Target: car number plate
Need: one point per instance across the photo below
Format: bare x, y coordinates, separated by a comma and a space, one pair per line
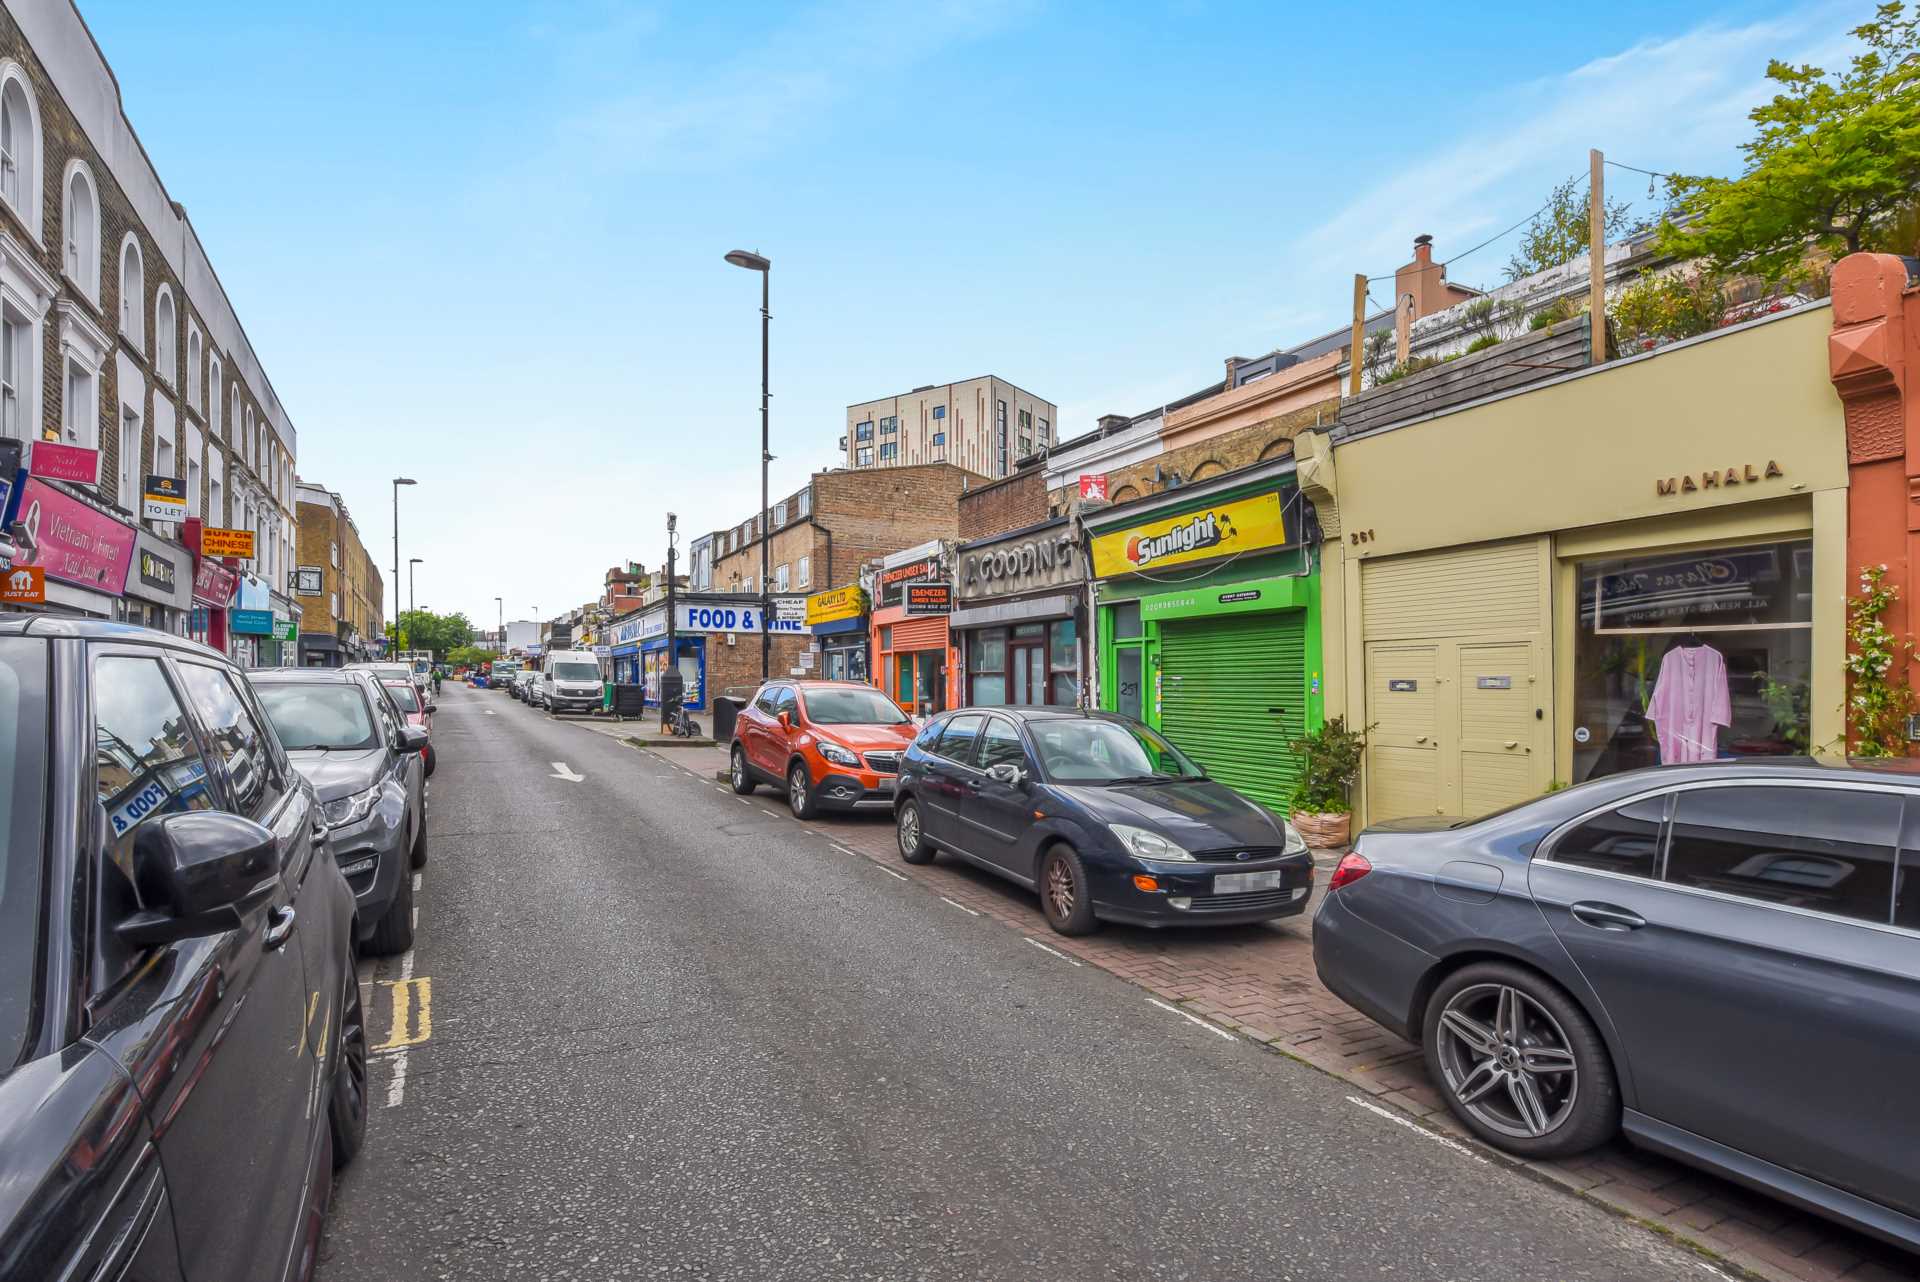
1238, 883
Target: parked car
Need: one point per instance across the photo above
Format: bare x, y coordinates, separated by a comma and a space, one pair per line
832, 744
350, 739
1721, 960
1105, 819
526, 686
569, 681
419, 713
183, 1052
387, 670
503, 670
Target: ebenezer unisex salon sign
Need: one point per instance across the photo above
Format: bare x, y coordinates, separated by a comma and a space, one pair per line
1037, 561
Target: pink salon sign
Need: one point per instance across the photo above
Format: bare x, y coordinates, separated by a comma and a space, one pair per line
76, 543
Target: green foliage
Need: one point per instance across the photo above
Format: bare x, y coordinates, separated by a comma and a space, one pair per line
1660, 309
1881, 699
1378, 353
470, 656
1333, 755
1482, 343
1555, 785
1553, 313
1413, 366
1561, 232
1788, 701
1834, 163
440, 633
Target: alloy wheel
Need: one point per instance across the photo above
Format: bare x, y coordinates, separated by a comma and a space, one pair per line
1060, 890
353, 1051
909, 829
739, 769
1507, 1060
797, 789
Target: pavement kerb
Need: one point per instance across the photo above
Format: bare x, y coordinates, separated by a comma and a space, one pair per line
1731, 1261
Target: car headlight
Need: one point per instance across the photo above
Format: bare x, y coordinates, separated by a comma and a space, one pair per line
1145, 844
1296, 844
350, 810
837, 755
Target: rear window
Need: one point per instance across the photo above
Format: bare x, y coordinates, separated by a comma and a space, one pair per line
23, 791
404, 694
310, 714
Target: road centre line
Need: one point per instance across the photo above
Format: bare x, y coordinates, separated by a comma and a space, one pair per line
1398, 1120
1192, 1018
957, 904
1055, 951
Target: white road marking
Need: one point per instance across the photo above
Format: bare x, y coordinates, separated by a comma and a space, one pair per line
416, 881
1192, 1018
847, 850
957, 904
1399, 1120
489, 711
1055, 951
562, 771
897, 876
397, 1084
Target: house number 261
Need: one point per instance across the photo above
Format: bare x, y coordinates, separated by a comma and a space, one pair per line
1358, 537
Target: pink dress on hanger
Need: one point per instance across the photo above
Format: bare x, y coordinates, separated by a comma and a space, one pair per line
1690, 703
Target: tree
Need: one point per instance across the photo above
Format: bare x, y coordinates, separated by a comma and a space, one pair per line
1835, 164
1561, 232
470, 656
440, 633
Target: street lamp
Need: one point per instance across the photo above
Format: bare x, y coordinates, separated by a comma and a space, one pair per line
757, 263
411, 562
398, 481
501, 638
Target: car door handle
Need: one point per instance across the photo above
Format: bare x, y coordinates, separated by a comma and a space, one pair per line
1606, 917
279, 926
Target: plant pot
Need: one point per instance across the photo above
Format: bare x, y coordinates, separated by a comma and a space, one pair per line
1322, 830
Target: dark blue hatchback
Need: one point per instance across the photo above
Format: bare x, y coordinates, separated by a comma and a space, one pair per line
1101, 816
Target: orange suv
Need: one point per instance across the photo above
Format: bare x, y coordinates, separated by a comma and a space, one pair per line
833, 744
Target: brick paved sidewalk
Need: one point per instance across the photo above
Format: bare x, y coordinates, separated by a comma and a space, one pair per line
1260, 981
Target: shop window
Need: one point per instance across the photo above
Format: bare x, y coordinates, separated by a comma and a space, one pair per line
1123, 621
1063, 663
886, 637
987, 668
1693, 657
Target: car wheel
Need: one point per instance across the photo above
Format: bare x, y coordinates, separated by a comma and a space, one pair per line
417, 857
1065, 900
800, 791
741, 777
347, 1106
1520, 1063
914, 846
393, 933
430, 761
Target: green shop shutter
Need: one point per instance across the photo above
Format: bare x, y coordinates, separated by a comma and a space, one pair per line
1220, 678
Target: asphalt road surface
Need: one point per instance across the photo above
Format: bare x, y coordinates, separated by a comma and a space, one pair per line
650, 1031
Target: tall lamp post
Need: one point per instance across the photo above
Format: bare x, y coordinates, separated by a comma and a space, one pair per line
398, 481
673, 639
500, 638
757, 263
411, 562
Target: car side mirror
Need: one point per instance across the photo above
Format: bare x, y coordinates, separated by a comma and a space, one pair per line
1008, 773
196, 874
431, 707
413, 739
786, 721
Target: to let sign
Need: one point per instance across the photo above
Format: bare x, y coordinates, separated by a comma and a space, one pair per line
163, 499
218, 542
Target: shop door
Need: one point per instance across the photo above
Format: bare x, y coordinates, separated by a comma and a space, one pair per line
1027, 660
1233, 696
1403, 773
1495, 686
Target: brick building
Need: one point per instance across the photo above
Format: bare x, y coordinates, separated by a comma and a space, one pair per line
984, 425
342, 622
116, 333
1006, 504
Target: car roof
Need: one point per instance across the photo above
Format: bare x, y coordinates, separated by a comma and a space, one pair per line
1025, 712
61, 625
332, 676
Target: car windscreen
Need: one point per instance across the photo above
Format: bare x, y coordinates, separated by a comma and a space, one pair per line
23, 795
312, 714
1100, 752
404, 694
852, 708
579, 671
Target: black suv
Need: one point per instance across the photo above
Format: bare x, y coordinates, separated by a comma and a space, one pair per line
177, 988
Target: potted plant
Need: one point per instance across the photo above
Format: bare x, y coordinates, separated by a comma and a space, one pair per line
1322, 806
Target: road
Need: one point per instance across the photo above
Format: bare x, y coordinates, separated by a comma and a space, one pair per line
649, 1030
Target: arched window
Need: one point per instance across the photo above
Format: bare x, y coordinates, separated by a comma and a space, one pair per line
193, 368
246, 438
20, 147
1211, 467
80, 227
233, 419
133, 293
214, 399
163, 354
1277, 449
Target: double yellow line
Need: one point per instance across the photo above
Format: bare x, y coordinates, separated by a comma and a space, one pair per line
412, 1013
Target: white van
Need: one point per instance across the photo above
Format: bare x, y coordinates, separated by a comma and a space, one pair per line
570, 681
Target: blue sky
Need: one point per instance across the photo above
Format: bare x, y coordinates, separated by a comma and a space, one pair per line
480, 243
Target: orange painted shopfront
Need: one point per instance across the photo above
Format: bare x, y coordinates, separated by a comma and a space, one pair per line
913, 660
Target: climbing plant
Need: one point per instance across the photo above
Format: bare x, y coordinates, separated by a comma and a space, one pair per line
1881, 698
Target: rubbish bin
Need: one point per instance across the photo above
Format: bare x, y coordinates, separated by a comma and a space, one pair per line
630, 701
725, 712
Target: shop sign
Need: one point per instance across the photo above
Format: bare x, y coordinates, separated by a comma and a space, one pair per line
730, 618
1224, 529
214, 583
252, 622
309, 580
23, 585
163, 498
893, 581
1049, 560
76, 543
158, 572
1232, 598
55, 462
1716, 478
836, 604
286, 630
929, 598
215, 541
790, 609
1093, 486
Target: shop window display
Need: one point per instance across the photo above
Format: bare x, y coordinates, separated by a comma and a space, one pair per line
1692, 656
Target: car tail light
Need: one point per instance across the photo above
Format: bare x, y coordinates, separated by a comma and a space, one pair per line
1353, 866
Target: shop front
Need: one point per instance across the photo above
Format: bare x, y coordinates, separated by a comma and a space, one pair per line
1663, 578
216, 587
625, 637
838, 620
1209, 625
250, 623
908, 629
690, 655
159, 591
1019, 619
86, 553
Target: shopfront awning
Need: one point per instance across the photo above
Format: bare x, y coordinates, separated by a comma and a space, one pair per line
858, 623
1040, 607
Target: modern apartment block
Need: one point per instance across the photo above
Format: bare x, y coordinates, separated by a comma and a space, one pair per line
985, 425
